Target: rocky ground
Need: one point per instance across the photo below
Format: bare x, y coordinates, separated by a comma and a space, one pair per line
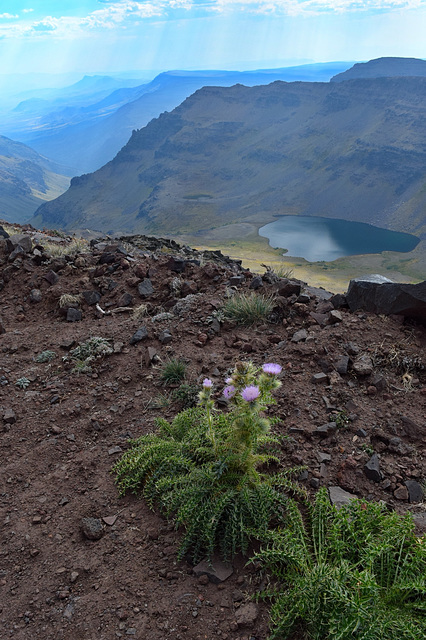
80, 562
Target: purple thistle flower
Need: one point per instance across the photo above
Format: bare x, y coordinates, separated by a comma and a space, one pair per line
207, 383
272, 369
229, 391
250, 393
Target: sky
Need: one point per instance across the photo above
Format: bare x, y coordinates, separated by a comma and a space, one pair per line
92, 36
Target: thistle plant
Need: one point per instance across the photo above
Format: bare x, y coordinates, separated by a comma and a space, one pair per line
204, 468
355, 573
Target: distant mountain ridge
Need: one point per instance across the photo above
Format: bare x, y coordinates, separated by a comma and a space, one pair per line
102, 122
383, 68
26, 180
354, 150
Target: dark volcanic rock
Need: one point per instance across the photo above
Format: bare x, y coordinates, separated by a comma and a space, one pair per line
415, 491
145, 288
92, 528
140, 334
379, 295
372, 469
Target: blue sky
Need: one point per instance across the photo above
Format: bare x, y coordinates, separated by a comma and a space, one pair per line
115, 35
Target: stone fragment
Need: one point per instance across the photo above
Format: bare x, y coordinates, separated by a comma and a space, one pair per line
21, 239
91, 297
139, 335
415, 491
236, 280
74, 315
51, 277
2, 326
246, 615
18, 252
414, 430
401, 493
420, 522
35, 296
217, 571
379, 381
334, 317
92, 528
176, 264
363, 365
319, 377
165, 337
339, 301
372, 469
150, 356
380, 295
107, 258
326, 429
315, 483
320, 318
299, 336
339, 497
112, 451
145, 288
125, 300
3, 232
289, 288
256, 283
341, 365
323, 457
9, 416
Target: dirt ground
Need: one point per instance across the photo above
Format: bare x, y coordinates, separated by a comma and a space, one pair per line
62, 430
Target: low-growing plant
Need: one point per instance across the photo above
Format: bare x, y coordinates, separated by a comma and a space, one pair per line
75, 245
355, 573
87, 352
187, 395
140, 311
248, 309
204, 468
173, 371
23, 382
46, 356
276, 273
69, 300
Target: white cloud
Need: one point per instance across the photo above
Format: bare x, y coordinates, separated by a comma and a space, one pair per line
125, 14
315, 7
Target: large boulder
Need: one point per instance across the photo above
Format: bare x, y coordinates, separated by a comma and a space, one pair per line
380, 295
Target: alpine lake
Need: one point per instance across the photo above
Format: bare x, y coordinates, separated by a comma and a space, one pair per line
325, 239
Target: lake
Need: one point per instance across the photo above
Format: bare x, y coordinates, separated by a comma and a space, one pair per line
325, 239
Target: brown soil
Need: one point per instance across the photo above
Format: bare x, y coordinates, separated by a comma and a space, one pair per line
60, 436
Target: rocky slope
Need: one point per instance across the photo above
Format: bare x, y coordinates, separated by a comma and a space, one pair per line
351, 408
26, 180
351, 150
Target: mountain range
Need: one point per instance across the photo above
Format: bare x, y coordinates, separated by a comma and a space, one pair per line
354, 150
99, 113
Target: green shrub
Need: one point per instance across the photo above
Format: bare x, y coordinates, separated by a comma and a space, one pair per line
203, 468
248, 309
46, 356
173, 371
187, 395
87, 352
23, 382
354, 573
